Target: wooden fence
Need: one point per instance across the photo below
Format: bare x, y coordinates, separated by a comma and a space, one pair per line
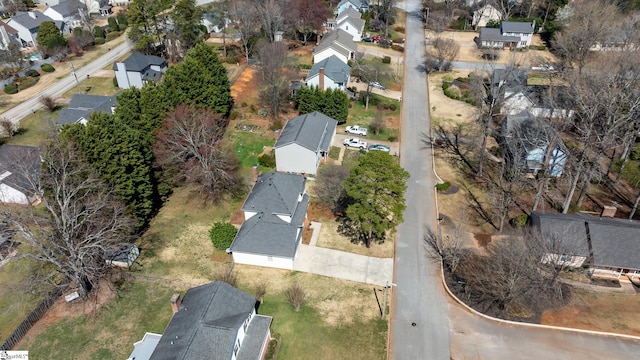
32, 318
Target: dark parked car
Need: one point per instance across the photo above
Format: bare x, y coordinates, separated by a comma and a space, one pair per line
367, 39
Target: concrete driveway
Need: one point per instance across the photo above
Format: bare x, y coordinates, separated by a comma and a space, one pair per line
343, 265
341, 135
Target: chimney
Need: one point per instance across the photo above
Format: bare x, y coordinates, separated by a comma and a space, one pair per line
175, 302
256, 172
321, 75
608, 211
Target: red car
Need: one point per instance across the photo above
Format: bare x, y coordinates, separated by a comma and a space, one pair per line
375, 38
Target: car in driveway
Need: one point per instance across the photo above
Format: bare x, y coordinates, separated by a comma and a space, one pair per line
355, 143
356, 130
376, 84
379, 147
367, 39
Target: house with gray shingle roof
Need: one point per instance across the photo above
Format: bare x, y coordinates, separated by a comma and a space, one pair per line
360, 5
8, 35
304, 142
67, 11
511, 34
274, 215
19, 171
215, 321
606, 246
351, 22
82, 106
330, 73
27, 24
137, 69
336, 43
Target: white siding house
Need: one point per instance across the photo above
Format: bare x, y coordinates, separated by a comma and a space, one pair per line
485, 14
350, 21
509, 35
27, 25
19, 166
304, 142
339, 43
360, 5
330, 73
137, 69
522, 30
68, 12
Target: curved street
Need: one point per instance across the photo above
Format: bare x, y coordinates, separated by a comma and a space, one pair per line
443, 328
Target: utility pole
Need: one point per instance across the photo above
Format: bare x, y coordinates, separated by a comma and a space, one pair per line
73, 71
386, 288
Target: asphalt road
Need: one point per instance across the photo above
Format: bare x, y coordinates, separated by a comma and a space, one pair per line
418, 296
22, 110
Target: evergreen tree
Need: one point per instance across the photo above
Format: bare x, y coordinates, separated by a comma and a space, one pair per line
186, 18
113, 24
49, 38
333, 103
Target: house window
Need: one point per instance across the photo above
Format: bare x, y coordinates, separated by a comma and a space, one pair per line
523, 43
347, 28
236, 348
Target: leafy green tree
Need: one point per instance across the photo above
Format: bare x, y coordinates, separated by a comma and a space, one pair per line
333, 103
50, 39
122, 21
375, 196
209, 89
146, 20
222, 235
122, 156
98, 32
186, 18
113, 24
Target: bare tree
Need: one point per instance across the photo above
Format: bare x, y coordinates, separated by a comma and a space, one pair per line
79, 222
261, 289
443, 53
226, 275
308, 16
295, 296
329, 189
275, 74
271, 17
369, 71
190, 140
377, 125
49, 103
8, 127
246, 20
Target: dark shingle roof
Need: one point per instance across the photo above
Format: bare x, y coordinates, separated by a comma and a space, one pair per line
334, 69
566, 233
337, 37
349, 12
17, 164
492, 34
312, 131
516, 27
23, 18
255, 337
265, 233
615, 243
82, 106
206, 325
68, 7
355, 22
139, 62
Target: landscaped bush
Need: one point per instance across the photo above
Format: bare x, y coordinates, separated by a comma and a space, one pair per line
393, 106
47, 68
28, 82
32, 73
115, 82
386, 60
537, 47
231, 60
398, 40
306, 66
453, 92
397, 47
267, 160
233, 115
98, 32
112, 35
10, 89
222, 234
399, 28
98, 41
520, 220
443, 186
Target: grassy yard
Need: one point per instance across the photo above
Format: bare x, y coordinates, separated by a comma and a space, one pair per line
249, 145
93, 86
358, 115
35, 128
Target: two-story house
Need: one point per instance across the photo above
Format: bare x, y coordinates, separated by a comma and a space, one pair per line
27, 23
359, 5
339, 43
274, 215
137, 69
350, 21
69, 12
510, 35
330, 73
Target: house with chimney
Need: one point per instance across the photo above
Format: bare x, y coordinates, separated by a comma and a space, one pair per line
275, 212
82, 106
138, 69
27, 23
19, 168
511, 34
330, 73
337, 43
214, 321
606, 246
304, 143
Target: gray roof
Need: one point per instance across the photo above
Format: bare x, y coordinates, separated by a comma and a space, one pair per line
255, 337
82, 106
68, 8
144, 348
334, 69
337, 38
265, 233
312, 131
349, 12
355, 22
493, 34
206, 324
615, 243
517, 27
139, 63
23, 18
18, 163
359, 3
565, 233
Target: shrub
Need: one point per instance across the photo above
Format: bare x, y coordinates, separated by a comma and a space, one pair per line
231, 60
267, 160
443, 186
28, 82
386, 60
115, 82
397, 47
32, 73
263, 112
98, 32
277, 125
10, 89
98, 41
113, 24
453, 92
447, 78
227, 276
520, 220
399, 28
233, 115
393, 106
122, 20
295, 296
538, 47
47, 68
392, 138
445, 86
112, 35
222, 234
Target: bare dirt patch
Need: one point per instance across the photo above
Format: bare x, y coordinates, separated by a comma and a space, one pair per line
447, 109
597, 311
244, 89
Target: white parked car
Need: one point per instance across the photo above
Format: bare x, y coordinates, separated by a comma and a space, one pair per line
355, 143
356, 130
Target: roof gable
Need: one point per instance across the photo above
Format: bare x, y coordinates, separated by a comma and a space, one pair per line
312, 131
275, 193
349, 12
68, 8
25, 19
337, 37
517, 27
138, 62
18, 164
206, 324
355, 22
82, 106
334, 69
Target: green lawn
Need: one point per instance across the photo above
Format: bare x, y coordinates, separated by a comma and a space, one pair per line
111, 332
248, 145
93, 86
334, 153
358, 115
35, 128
